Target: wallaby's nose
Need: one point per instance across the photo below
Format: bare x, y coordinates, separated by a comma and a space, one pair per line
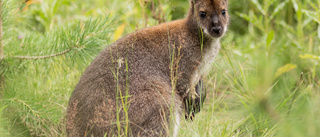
216, 29
215, 23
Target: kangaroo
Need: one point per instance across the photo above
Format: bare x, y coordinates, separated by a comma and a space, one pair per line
140, 84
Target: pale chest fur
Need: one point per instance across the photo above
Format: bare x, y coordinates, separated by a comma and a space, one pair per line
207, 59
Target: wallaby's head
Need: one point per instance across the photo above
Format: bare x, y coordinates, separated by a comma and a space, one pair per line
211, 16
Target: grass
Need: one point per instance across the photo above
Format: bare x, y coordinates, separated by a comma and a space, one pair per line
255, 87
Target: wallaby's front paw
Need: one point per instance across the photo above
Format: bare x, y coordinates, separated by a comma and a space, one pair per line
193, 105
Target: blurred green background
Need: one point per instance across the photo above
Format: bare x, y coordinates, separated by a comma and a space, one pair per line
265, 82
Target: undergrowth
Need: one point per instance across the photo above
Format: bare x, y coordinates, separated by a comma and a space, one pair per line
265, 82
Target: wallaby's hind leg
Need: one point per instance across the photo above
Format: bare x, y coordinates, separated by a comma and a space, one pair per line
150, 113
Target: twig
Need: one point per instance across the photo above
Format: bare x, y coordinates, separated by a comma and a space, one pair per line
1, 31
158, 16
2, 78
42, 57
294, 92
25, 104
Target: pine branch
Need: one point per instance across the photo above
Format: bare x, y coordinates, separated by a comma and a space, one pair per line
87, 38
42, 57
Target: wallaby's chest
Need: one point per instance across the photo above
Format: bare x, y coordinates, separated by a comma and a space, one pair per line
210, 51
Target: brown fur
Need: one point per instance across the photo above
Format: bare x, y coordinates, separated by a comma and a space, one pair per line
140, 63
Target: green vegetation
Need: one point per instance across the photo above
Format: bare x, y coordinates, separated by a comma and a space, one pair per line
256, 86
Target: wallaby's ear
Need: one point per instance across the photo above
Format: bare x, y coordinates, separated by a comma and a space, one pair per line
225, 2
192, 4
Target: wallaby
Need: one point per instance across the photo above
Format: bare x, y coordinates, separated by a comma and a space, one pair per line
139, 85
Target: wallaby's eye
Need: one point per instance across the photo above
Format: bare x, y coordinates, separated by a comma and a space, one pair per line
202, 14
223, 12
